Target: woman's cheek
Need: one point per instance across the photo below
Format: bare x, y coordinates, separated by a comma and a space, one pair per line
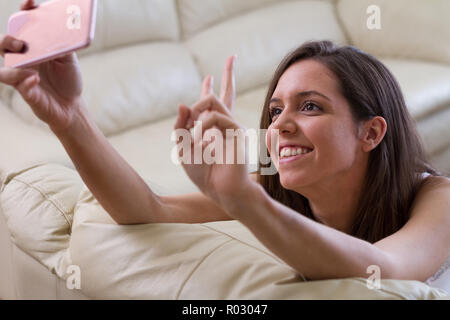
337, 149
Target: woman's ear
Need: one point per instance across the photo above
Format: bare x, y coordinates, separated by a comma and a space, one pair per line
373, 132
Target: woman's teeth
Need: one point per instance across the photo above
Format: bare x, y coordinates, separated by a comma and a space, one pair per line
289, 151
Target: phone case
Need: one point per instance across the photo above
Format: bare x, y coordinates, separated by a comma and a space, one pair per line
53, 29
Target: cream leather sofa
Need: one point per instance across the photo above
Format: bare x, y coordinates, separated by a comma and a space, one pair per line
149, 56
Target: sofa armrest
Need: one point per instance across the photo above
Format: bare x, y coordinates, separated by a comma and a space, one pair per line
54, 218
37, 205
218, 260
6, 268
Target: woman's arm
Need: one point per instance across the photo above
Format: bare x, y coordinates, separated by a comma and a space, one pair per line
422, 245
53, 90
315, 250
415, 252
117, 187
311, 248
120, 190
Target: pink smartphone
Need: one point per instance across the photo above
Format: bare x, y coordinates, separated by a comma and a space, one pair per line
53, 29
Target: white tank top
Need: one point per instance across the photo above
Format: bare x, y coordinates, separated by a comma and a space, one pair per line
441, 279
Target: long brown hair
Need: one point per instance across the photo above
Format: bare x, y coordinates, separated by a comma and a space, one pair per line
394, 166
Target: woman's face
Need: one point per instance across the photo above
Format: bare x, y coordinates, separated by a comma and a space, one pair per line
315, 124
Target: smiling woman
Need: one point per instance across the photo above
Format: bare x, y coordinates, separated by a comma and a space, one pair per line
348, 109
349, 158
351, 190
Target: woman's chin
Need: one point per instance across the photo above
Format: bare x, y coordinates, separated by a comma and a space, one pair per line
293, 182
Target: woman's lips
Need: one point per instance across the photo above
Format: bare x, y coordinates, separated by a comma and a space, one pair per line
288, 159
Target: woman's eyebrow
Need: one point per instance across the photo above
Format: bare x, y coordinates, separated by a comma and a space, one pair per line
303, 94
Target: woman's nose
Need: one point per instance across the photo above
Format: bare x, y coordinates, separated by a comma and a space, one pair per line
285, 124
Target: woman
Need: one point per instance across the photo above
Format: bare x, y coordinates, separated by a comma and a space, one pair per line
350, 190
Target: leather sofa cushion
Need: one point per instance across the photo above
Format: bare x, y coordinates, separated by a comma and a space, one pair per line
122, 23
426, 88
261, 38
196, 15
409, 28
435, 132
425, 85
37, 204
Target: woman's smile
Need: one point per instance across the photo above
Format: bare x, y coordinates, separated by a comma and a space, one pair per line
292, 153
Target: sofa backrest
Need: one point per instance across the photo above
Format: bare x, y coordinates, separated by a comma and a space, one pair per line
261, 37
197, 15
412, 29
121, 23
138, 43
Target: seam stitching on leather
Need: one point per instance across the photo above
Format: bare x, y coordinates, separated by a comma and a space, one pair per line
383, 289
61, 208
247, 244
197, 266
258, 249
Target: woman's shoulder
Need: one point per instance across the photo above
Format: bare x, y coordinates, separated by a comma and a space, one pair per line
433, 192
431, 183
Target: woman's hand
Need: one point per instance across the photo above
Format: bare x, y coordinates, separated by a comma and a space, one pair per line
222, 174
52, 89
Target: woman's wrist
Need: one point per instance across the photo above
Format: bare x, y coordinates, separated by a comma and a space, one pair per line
76, 124
250, 196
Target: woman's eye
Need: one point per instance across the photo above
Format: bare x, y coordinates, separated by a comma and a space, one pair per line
310, 107
275, 112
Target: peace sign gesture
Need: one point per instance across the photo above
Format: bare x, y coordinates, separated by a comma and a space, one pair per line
222, 173
207, 98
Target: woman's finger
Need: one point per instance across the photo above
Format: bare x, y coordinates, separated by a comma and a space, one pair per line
209, 103
183, 116
9, 43
213, 120
207, 87
27, 88
14, 76
27, 5
228, 84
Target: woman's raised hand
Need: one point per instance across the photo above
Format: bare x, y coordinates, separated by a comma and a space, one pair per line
222, 173
52, 89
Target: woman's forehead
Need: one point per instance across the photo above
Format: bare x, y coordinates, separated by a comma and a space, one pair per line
306, 75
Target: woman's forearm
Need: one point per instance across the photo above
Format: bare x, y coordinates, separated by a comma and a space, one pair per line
311, 248
117, 186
